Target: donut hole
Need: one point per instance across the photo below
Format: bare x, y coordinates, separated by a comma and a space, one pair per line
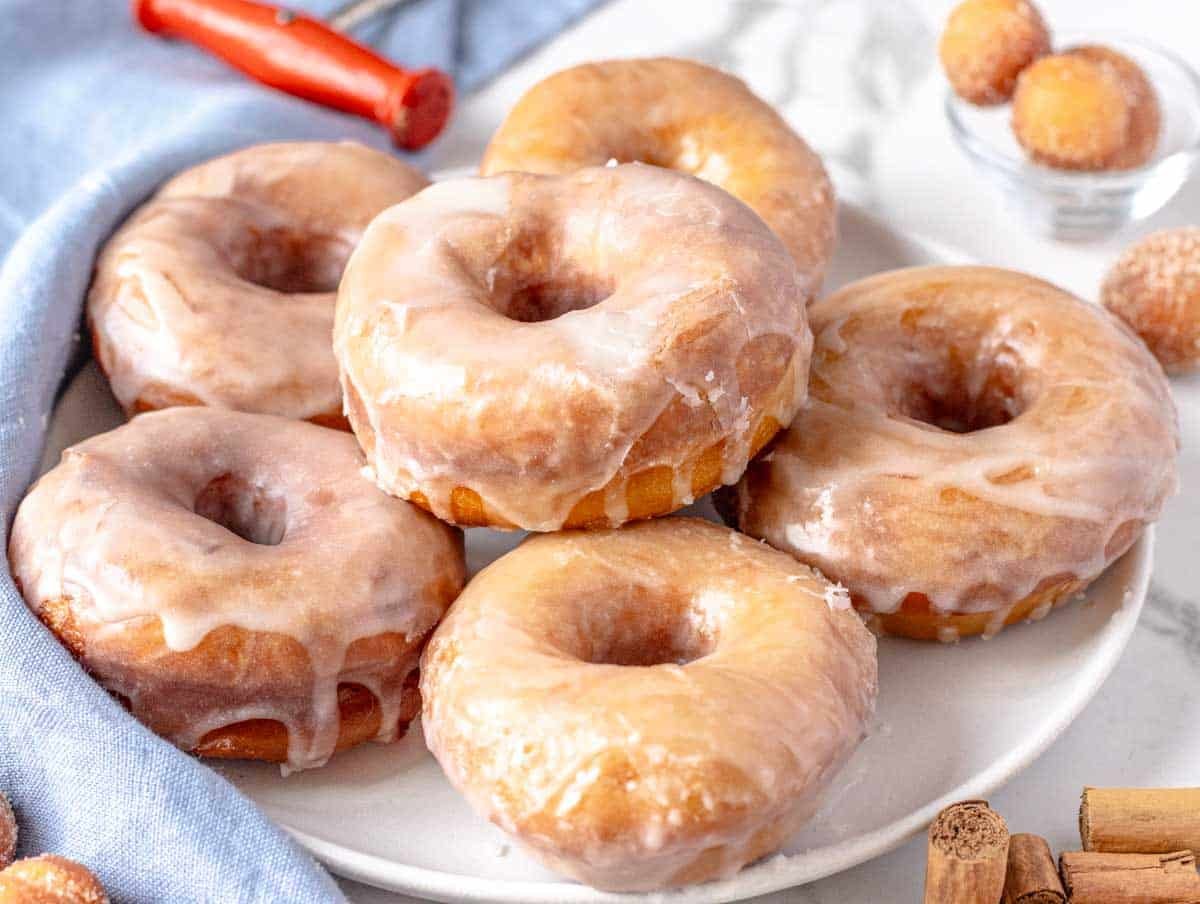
661, 647
292, 262
954, 414
538, 276
959, 402
243, 508
545, 300
648, 626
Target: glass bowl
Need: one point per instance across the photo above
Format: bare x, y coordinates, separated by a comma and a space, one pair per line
1078, 206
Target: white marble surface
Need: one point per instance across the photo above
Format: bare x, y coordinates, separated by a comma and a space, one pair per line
855, 77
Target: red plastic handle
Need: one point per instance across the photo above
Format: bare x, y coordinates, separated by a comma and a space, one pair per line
307, 58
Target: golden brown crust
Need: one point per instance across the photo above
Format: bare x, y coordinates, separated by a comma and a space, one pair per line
233, 649
648, 493
267, 739
986, 44
1154, 286
916, 617
917, 620
50, 879
257, 739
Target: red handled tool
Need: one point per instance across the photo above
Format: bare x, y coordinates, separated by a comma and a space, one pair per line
308, 58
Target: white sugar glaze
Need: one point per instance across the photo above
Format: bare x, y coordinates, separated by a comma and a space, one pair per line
1073, 447
649, 706
685, 116
220, 290
154, 586
535, 338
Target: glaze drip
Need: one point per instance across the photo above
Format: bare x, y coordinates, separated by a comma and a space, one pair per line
1070, 447
674, 322
194, 552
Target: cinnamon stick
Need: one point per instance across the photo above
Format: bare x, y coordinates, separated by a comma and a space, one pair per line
1140, 820
968, 851
1032, 877
1094, 877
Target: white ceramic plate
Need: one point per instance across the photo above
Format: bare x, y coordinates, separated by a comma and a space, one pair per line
953, 722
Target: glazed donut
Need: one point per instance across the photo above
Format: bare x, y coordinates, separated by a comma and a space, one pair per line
978, 446
235, 581
681, 115
220, 290
1154, 286
581, 350
50, 879
647, 707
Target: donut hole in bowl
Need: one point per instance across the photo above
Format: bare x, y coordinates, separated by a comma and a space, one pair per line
243, 508
640, 625
290, 261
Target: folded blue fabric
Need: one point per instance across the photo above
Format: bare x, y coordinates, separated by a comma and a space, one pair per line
93, 115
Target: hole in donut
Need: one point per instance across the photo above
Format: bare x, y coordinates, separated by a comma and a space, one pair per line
545, 300
647, 626
538, 277
243, 508
954, 418
292, 262
951, 400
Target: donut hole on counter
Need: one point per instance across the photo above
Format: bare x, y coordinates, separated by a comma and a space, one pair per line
292, 262
641, 625
242, 508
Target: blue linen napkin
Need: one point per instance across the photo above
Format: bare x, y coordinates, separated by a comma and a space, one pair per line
93, 115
